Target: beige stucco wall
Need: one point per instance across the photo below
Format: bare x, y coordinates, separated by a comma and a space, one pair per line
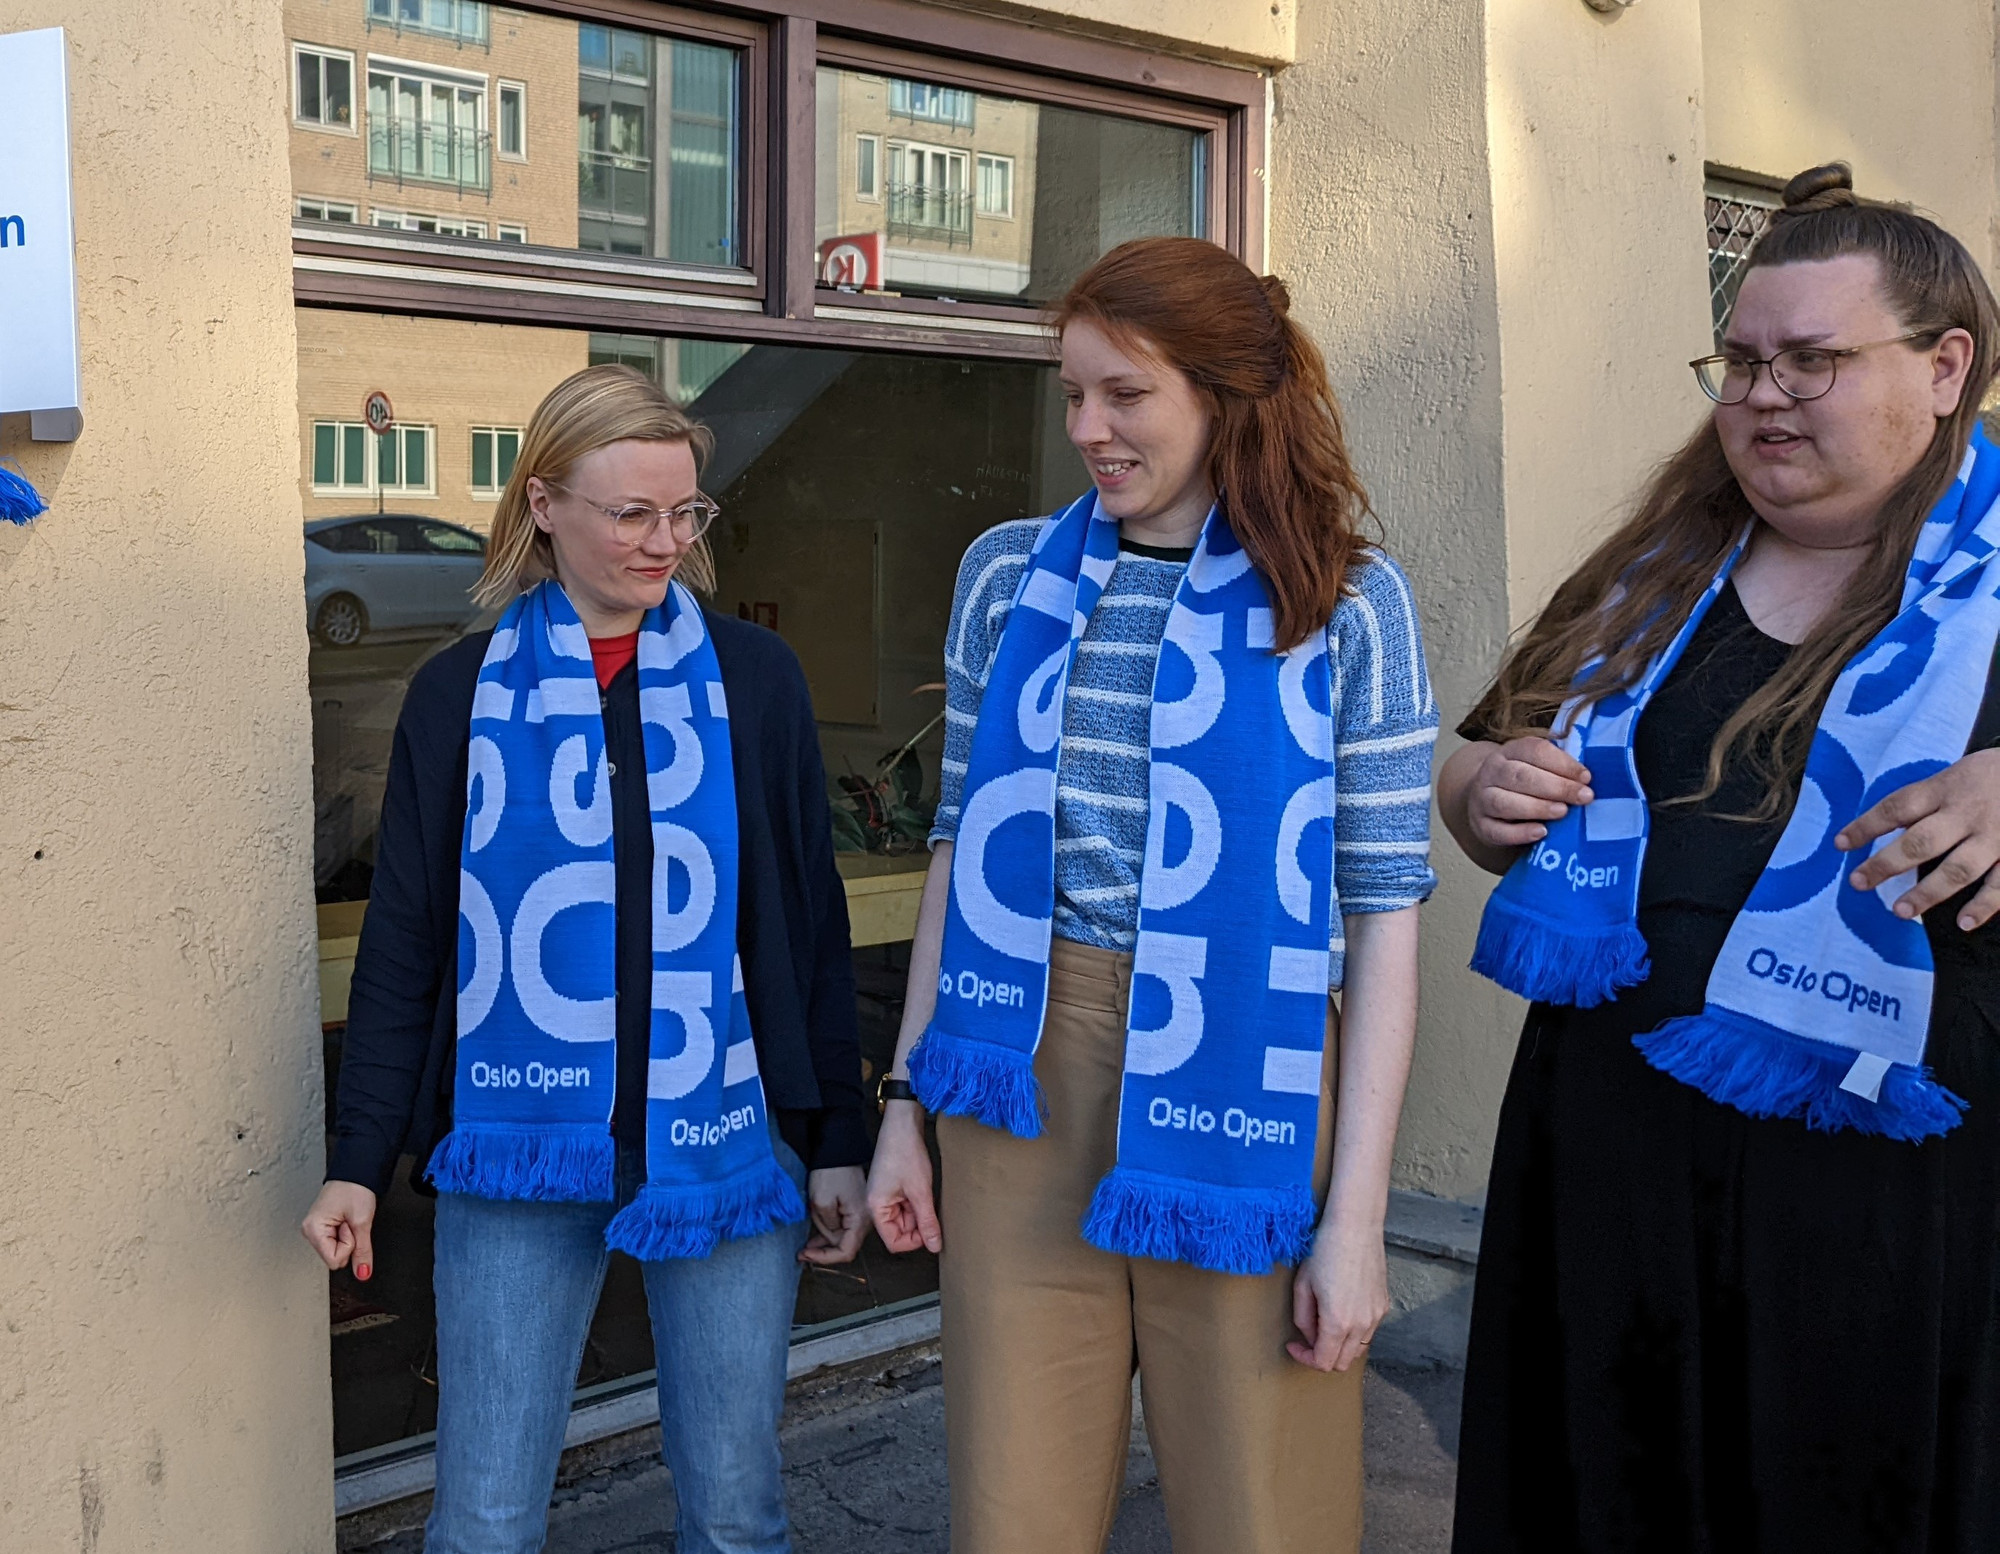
163, 1348
1903, 91
1598, 249
1382, 225
1258, 31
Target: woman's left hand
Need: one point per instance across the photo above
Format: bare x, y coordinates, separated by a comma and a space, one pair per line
837, 1201
1954, 816
1339, 1297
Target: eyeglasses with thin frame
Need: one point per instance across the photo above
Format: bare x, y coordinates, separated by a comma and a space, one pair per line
634, 523
1801, 372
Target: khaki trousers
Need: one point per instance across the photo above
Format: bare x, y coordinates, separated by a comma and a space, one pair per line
1042, 1332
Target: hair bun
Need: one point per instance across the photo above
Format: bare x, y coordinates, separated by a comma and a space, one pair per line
1825, 187
1276, 294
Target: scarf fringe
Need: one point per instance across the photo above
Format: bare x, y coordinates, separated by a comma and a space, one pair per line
1557, 963
540, 1165
1223, 1229
19, 501
958, 1077
1767, 1072
688, 1221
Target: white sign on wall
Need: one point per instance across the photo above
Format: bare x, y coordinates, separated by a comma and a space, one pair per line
39, 367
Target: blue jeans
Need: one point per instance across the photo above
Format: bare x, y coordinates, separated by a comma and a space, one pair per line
517, 1284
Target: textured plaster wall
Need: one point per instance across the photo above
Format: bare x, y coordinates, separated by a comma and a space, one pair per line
1903, 91
163, 1349
1595, 125
1263, 31
1382, 225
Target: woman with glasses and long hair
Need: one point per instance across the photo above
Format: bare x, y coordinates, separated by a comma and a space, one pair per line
1741, 1262
1186, 798
603, 992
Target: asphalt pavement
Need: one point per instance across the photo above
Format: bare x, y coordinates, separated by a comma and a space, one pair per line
864, 1464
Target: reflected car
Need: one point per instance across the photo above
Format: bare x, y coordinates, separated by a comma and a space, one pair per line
389, 572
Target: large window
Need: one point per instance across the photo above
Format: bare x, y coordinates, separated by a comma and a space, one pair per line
834, 249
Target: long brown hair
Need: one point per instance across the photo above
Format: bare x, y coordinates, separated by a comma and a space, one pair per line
1276, 452
1633, 592
588, 410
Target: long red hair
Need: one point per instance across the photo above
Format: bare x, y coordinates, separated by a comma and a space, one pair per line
1276, 452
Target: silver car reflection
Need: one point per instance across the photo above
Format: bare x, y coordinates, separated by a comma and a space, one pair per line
389, 572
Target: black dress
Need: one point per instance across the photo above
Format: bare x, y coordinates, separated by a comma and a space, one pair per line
1697, 1332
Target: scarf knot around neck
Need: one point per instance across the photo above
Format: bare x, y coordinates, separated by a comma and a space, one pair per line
1219, 1112
1819, 1005
536, 1067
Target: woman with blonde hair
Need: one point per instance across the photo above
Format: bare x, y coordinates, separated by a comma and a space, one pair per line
603, 993
1741, 1260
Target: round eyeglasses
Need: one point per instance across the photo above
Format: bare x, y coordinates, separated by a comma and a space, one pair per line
634, 523
1802, 372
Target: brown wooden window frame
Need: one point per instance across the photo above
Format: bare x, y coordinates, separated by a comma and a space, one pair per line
776, 296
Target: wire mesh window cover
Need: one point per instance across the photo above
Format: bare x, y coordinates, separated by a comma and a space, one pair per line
1737, 216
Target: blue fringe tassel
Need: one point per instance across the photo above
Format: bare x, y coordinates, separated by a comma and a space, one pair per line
957, 1077
1766, 1072
664, 1222
19, 501
1223, 1229
540, 1165
1557, 962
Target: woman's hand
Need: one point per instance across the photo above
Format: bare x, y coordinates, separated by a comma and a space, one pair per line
1497, 799
338, 1227
837, 1199
1339, 1297
1954, 816
899, 1182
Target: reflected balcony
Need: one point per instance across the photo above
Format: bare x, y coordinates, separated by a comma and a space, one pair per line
926, 212
405, 150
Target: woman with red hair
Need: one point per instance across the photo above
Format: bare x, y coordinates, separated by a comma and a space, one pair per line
1186, 798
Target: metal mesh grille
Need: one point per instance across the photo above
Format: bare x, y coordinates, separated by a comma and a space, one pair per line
1737, 216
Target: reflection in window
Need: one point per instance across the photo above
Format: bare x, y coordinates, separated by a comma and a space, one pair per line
850, 485
656, 146
463, 21
324, 88
995, 197
427, 128
494, 449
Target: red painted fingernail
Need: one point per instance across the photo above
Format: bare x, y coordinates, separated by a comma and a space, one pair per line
363, 1270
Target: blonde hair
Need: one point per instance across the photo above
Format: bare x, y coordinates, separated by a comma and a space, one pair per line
588, 410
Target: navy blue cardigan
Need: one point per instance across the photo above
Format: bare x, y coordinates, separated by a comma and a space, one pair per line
397, 1060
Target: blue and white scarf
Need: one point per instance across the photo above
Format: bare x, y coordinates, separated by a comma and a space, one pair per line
1217, 1124
1819, 1004
537, 996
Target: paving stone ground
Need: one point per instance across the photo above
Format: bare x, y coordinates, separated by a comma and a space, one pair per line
865, 1471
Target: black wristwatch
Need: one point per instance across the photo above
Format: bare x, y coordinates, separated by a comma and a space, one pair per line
893, 1089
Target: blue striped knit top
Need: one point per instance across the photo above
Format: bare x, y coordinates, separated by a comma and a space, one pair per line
1386, 723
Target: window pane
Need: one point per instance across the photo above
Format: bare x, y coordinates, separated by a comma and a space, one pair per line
324, 467
482, 461
659, 171
416, 457
354, 456
855, 572
309, 100
339, 92
1076, 184
387, 465
509, 445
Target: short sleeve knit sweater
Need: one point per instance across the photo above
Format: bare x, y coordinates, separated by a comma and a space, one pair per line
1385, 714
